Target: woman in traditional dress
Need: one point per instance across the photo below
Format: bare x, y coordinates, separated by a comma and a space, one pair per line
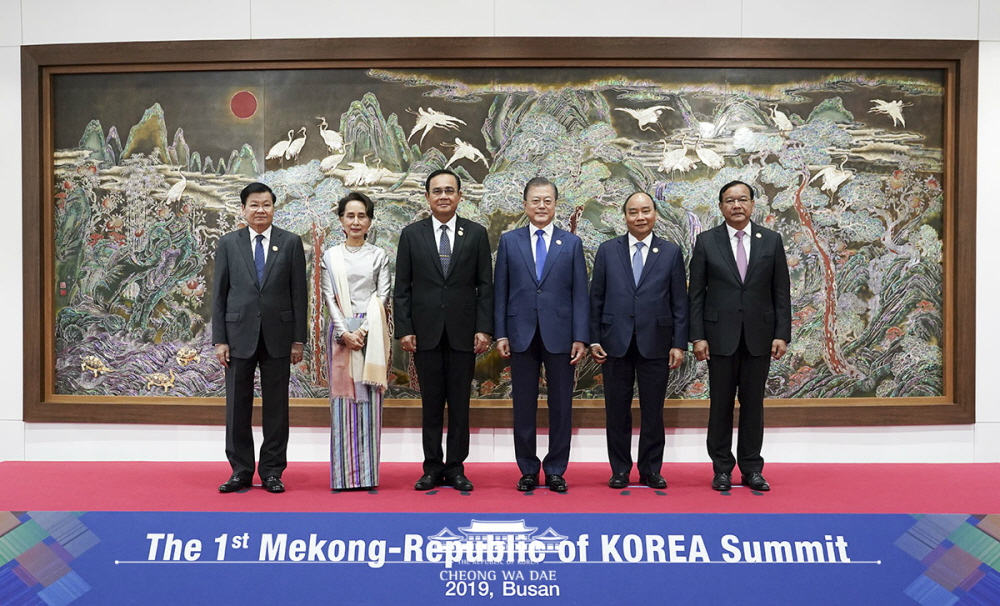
355, 285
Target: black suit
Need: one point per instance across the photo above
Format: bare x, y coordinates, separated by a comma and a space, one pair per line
739, 319
637, 326
259, 322
444, 313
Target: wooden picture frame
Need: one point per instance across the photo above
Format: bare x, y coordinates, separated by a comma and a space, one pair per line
956, 60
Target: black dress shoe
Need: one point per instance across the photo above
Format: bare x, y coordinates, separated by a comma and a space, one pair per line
653, 480
528, 482
235, 484
756, 481
618, 480
555, 482
722, 482
273, 484
426, 482
459, 482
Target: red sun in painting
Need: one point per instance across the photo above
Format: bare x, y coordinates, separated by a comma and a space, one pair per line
243, 104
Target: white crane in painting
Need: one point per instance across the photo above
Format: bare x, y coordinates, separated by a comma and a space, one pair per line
676, 159
780, 118
176, 191
709, 157
646, 116
361, 174
331, 138
833, 177
295, 147
374, 174
893, 109
331, 162
356, 174
465, 151
428, 119
277, 151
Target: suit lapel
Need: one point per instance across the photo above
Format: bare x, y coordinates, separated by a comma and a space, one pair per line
626, 258
726, 250
246, 253
555, 247
458, 241
651, 258
426, 229
522, 238
276, 244
755, 249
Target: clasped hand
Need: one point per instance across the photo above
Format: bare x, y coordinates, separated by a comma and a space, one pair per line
353, 340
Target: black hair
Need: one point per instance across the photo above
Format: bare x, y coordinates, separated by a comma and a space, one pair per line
356, 196
256, 188
734, 184
441, 171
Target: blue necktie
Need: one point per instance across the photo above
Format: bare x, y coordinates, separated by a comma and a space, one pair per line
444, 250
539, 254
637, 262
258, 259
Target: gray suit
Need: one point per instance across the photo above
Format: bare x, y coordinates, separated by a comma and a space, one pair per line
259, 322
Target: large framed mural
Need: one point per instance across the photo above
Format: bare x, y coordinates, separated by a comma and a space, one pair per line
862, 154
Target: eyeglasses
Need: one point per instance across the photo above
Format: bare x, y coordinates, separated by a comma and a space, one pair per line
542, 202
448, 191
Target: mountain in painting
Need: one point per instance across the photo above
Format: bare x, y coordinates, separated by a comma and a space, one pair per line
149, 136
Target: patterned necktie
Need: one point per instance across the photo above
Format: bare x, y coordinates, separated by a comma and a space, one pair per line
258, 258
637, 262
539, 254
741, 255
444, 250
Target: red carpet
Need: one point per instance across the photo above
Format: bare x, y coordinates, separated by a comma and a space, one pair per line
797, 488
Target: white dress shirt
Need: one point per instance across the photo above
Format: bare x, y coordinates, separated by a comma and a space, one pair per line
746, 239
451, 231
546, 237
266, 243
646, 243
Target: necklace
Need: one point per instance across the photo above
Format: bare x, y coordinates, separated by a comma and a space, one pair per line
353, 249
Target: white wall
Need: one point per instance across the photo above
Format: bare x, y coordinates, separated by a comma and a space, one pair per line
71, 21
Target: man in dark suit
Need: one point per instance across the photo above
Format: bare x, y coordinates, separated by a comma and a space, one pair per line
258, 320
639, 320
443, 310
740, 315
541, 317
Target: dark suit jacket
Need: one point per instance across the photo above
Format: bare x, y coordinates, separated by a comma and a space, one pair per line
242, 308
655, 311
425, 302
723, 307
557, 305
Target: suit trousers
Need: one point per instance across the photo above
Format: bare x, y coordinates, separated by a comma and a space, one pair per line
274, 376
620, 376
445, 376
743, 375
560, 375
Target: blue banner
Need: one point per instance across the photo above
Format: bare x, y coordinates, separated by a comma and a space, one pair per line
152, 558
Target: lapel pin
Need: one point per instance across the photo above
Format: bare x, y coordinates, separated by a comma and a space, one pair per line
559, 242
758, 234
656, 250
274, 248
461, 232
